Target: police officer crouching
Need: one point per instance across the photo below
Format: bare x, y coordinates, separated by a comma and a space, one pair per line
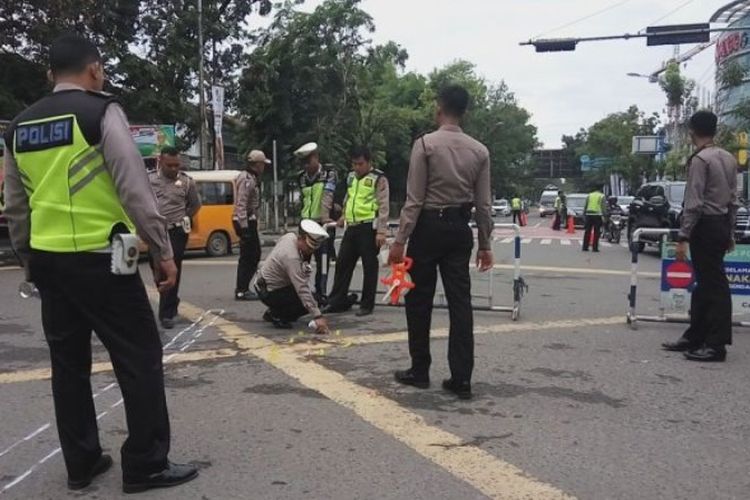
449, 173
74, 181
284, 279
178, 202
366, 217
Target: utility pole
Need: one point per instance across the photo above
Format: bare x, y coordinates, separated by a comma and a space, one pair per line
201, 89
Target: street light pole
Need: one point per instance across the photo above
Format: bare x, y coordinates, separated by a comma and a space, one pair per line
201, 89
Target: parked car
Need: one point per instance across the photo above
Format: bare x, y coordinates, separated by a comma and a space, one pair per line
624, 203
576, 203
212, 229
547, 203
501, 207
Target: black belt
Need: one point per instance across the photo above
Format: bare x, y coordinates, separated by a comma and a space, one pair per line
175, 225
447, 213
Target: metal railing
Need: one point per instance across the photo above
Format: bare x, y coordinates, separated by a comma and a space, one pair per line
632, 316
519, 286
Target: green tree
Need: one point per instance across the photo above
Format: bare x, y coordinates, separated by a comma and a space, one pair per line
612, 138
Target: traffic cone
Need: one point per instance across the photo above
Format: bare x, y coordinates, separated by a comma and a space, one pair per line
571, 225
592, 237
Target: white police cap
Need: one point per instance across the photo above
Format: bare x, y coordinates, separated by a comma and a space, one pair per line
306, 150
314, 233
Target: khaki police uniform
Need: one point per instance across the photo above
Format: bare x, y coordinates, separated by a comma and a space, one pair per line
245, 222
707, 223
284, 282
449, 172
366, 214
178, 199
596, 209
73, 178
317, 202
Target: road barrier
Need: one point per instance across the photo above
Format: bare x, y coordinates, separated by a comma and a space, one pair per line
632, 316
519, 287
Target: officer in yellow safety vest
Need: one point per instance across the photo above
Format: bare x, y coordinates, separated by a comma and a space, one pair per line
516, 206
75, 187
366, 217
596, 209
317, 184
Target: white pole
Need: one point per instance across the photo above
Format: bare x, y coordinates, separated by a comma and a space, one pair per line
202, 97
275, 190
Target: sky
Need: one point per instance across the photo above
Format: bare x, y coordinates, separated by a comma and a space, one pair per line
563, 91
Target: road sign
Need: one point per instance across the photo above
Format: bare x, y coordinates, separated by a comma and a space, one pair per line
679, 274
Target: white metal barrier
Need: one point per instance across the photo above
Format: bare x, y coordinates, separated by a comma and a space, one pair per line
519, 287
632, 316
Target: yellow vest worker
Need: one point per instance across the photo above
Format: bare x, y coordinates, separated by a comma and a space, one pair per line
594, 216
75, 183
516, 205
317, 185
366, 217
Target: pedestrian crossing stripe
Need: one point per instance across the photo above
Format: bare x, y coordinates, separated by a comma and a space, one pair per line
546, 242
563, 242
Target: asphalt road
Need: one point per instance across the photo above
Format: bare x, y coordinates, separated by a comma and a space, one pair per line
569, 401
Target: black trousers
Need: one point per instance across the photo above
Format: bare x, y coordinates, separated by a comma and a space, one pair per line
358, 242
169, 302
516, 216
445, 244
711, 300
321, 277
592, 223
80, 294
285, 304
249, 254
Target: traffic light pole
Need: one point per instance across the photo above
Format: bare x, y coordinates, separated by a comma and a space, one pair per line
660, 35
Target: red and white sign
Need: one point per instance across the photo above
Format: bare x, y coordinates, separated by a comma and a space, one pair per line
679, 274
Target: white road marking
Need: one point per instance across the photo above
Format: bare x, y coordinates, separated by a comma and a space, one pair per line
565, 242
101, 415
546, 242
526, 241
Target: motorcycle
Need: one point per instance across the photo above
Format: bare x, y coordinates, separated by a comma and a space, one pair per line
614, 228
652, 213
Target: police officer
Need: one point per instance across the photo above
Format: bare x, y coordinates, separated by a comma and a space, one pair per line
245, 221
561, 211
449, 173
366, 217
707, 228
178, 202
284, 281
516, 205
317, 184
596, 209
74, 179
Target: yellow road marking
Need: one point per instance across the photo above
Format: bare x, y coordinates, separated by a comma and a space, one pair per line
105, 366
485, 472
309, 341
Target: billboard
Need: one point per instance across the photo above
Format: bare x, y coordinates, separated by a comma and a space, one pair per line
151, 138
678, 281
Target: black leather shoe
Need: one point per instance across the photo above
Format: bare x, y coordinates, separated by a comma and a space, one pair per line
407, 377
707, 354
682, 345
335, 308
460, 389
173, 475
246, 295
363, 312
167, 323
100, 467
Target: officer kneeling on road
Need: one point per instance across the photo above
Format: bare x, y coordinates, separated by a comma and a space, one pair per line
284, 280
76, 189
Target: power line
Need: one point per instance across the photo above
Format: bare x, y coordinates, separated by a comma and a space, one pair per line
584, 18
673, 11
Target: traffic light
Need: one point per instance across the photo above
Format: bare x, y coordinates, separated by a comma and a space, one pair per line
555, 45
678, 34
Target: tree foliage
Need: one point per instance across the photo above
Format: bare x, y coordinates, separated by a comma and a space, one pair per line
318, 77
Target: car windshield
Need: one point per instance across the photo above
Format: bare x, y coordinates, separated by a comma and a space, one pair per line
576, 201
547, 199
624, 200
677, 193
